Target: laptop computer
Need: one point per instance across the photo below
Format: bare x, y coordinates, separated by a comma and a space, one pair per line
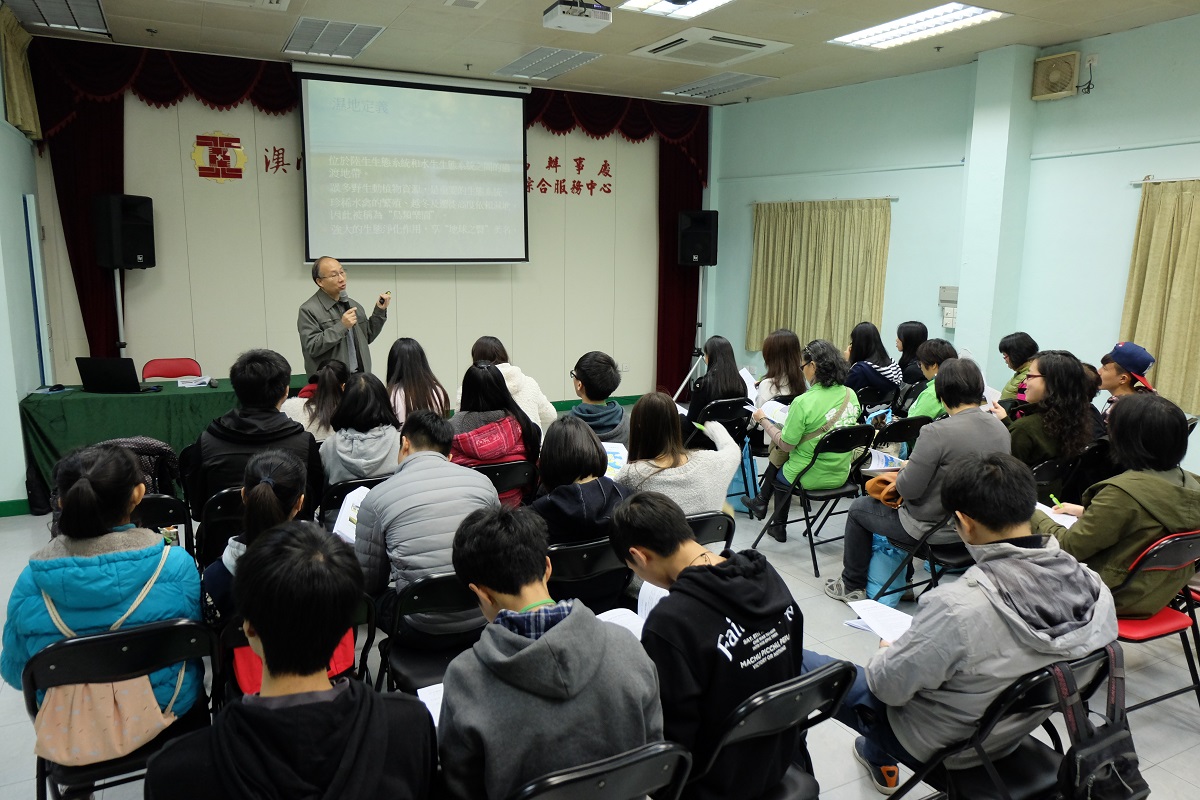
111, 376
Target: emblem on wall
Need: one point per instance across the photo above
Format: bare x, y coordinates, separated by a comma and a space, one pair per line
219, 157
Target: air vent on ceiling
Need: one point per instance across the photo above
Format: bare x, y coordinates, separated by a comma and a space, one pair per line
61, 15
718, 84
545, 63
323, 37
262, 5
709, 48
1055, 76
470, 5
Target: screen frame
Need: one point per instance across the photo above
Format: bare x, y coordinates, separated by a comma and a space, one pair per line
410, 84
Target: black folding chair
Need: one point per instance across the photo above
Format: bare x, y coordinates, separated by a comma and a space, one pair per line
942, 558
106, 658
590, 572
838, 440
660, 769
1031, 770
733, 414
513, 475
409, 670
870, 397
1051, 476
712, 527
799, 703
335, 495
158, 511
220, 522
906, 396
1093, 465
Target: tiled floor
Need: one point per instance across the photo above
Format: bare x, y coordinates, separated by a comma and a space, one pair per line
1167, 735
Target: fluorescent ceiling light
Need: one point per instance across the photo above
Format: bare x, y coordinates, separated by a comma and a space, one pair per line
922, 25
544, 63
71, 15
717, 84
662, 8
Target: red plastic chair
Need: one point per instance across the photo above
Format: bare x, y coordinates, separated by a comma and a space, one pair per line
1171, 553
171, 368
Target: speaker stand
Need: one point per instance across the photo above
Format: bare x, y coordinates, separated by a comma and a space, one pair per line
697, 352
121, 344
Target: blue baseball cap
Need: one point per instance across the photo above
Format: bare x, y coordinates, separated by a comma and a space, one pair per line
1134, 359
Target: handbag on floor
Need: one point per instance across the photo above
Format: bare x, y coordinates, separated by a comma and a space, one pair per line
87, 723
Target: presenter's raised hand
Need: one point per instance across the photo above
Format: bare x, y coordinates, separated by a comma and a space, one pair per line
350, 318
384, 301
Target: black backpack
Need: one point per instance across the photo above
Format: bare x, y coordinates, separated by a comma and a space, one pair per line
1101, 763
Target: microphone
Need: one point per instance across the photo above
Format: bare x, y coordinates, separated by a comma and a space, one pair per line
344, 299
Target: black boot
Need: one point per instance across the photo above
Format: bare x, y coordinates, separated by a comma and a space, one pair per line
757, 506
783, 504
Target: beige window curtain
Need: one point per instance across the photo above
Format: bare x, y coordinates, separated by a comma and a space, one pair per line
19, 105
818, 268
1163, 292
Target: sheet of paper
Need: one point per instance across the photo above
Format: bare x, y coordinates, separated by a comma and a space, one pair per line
1066, 520
431, 696
881, 462
682, 410
991, 395
192, 383
888, 624
625, 618
347, 516
648, 597
617, 455
776, 412
751, 390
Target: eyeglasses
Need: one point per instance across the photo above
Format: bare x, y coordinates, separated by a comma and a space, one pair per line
338, 274
806, 363
573, 376
1033, 375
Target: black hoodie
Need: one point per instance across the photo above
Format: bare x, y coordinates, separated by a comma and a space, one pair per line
722, 634
358, 745
218, 459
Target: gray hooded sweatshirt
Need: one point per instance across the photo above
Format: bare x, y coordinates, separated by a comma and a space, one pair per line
350, 454
515, 708
1017, 610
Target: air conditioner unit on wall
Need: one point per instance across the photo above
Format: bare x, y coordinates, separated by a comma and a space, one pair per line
1055, 76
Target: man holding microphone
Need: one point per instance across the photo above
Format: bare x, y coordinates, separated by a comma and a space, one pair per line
331, 325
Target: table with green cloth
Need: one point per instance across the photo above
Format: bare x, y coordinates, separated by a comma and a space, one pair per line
53, 425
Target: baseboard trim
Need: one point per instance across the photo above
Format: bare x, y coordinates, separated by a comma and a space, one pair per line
14, 508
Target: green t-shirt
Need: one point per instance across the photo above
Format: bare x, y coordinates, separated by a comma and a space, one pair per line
809, 412
927, 404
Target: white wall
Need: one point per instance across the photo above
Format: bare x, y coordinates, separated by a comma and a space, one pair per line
231, 273
18, 354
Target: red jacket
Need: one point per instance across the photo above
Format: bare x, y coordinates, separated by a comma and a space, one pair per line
494, 443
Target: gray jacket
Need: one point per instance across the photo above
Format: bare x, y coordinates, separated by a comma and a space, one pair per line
1017, 610
405, 528
349, 454
323, 336
509, 703
968, 432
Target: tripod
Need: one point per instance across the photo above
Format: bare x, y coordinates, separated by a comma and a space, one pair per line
697, 353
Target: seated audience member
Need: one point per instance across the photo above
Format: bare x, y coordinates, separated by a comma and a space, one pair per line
740, 602
1017, 350
1122, 516
596, 377
782, 355
412, 386
548, 686
1024, 605
1091, 388
1057, 422
720, 381
580, 498
1123, 373
524, 389
405, 528
366, 434
870, 365
969, 430
92, 575
491, 428
827, 404
909, 336
697, 480
314, 409
272, 493
930, 356
218, 459
302, 736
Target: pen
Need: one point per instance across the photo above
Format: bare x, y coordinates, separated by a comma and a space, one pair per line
1057, 502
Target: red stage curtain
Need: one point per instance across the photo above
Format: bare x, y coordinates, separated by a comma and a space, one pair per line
682, 175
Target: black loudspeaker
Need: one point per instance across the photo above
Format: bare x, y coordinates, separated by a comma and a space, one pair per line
698, 238
124, 231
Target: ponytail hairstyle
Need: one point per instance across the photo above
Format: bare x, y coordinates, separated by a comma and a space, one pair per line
484, 389
273, 482
408, 371
95, 487
331, 376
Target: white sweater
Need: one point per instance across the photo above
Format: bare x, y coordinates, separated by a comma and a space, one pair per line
699, 485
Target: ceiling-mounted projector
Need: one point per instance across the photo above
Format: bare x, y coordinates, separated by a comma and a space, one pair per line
577, 16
